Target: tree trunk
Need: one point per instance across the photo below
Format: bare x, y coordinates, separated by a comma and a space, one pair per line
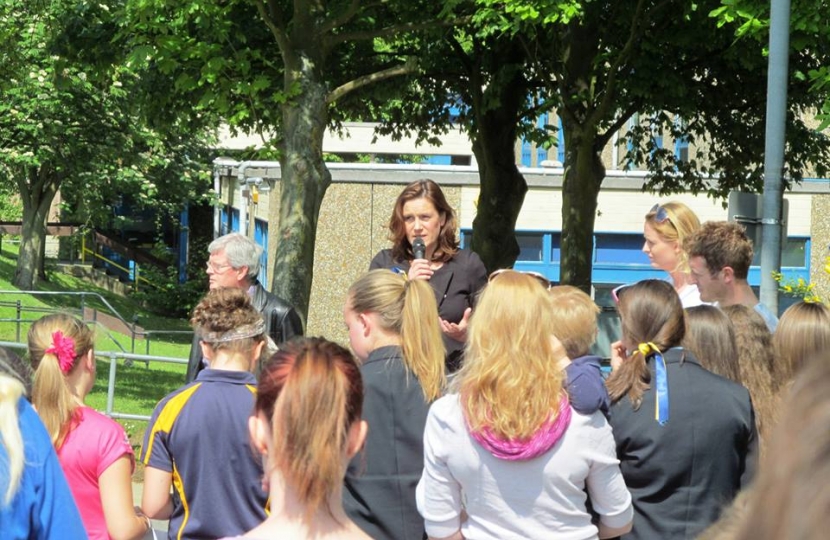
503, 188
502, 193
584, 173
305, 179
37, 191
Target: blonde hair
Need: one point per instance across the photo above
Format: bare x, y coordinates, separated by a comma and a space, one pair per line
650, 312
10, 437
224, 310
54, 400
407, 308
681, 223
509, 382
756, 358
312, 392
804, 329
710, 337
574, 319
790, 496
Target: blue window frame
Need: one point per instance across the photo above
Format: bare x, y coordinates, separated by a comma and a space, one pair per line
560, 146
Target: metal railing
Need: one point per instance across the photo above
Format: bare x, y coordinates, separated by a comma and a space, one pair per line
113, 357
85, 298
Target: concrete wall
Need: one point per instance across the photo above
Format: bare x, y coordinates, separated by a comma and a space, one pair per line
821, 242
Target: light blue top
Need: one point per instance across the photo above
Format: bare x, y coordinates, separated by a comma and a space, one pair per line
768, 316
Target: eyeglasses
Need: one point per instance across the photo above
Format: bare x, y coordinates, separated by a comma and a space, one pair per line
661, 215
539, 277
217, 268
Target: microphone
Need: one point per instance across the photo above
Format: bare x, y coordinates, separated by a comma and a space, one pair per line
419, 249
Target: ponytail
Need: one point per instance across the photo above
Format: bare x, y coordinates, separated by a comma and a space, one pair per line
407, 308
421, 343
55, 344
12, 470
314, 390
650, 313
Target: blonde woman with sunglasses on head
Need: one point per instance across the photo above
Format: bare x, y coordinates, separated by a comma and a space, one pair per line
665, 228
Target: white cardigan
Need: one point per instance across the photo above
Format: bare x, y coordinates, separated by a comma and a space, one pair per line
542, 498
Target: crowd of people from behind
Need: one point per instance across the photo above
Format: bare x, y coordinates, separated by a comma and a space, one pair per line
469, 406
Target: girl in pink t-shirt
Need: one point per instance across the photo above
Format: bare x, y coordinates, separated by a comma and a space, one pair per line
93, 449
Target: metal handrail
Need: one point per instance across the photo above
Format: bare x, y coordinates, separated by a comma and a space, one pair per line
113, 357
136, 279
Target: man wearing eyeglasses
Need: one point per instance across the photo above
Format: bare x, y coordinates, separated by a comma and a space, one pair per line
720, 254
234, 262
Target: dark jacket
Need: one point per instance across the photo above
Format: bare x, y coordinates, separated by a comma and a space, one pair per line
281, 323
379, 493
455, 284
681, 475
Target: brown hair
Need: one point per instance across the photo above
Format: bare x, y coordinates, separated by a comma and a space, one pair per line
447, 243
710, 337
223, 310
574, 319
407, 308
721, 244
312, 392
51, 395
756, 358
650, 312
803, 330
790, 498
680, 222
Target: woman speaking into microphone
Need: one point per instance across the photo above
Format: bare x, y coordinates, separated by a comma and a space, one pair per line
422, 230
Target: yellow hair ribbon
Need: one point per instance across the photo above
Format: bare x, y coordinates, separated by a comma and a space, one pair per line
647, 348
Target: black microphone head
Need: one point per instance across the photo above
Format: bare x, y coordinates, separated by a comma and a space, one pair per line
419, 248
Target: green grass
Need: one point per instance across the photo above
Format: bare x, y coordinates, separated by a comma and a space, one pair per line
138, 386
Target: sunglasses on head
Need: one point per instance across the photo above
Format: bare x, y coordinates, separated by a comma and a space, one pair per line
661, 215
536, 275
617, 291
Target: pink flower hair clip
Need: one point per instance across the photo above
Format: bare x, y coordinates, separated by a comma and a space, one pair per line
63, 348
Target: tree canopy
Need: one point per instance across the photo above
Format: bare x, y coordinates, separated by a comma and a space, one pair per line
70, 121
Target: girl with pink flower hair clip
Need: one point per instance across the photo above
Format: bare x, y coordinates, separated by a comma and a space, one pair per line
93, 449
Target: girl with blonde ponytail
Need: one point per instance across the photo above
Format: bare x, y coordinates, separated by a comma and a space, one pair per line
394, 330
307, 425
93, 449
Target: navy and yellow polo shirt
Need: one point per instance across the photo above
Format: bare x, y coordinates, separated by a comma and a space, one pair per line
199, 433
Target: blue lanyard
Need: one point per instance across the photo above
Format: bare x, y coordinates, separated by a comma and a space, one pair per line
661, 394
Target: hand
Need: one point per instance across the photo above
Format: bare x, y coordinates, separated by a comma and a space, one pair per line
420, 270
618, 354
457, 331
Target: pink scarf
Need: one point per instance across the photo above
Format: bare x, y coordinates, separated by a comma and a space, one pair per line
523, 449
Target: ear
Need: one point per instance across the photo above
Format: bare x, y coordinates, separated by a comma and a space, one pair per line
357, 436
89, 360
241, 274
442, 219
257, 353
260, 432
207, 350
728, 274
366, 322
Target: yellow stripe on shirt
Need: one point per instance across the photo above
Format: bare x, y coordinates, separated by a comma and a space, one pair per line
167, 417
